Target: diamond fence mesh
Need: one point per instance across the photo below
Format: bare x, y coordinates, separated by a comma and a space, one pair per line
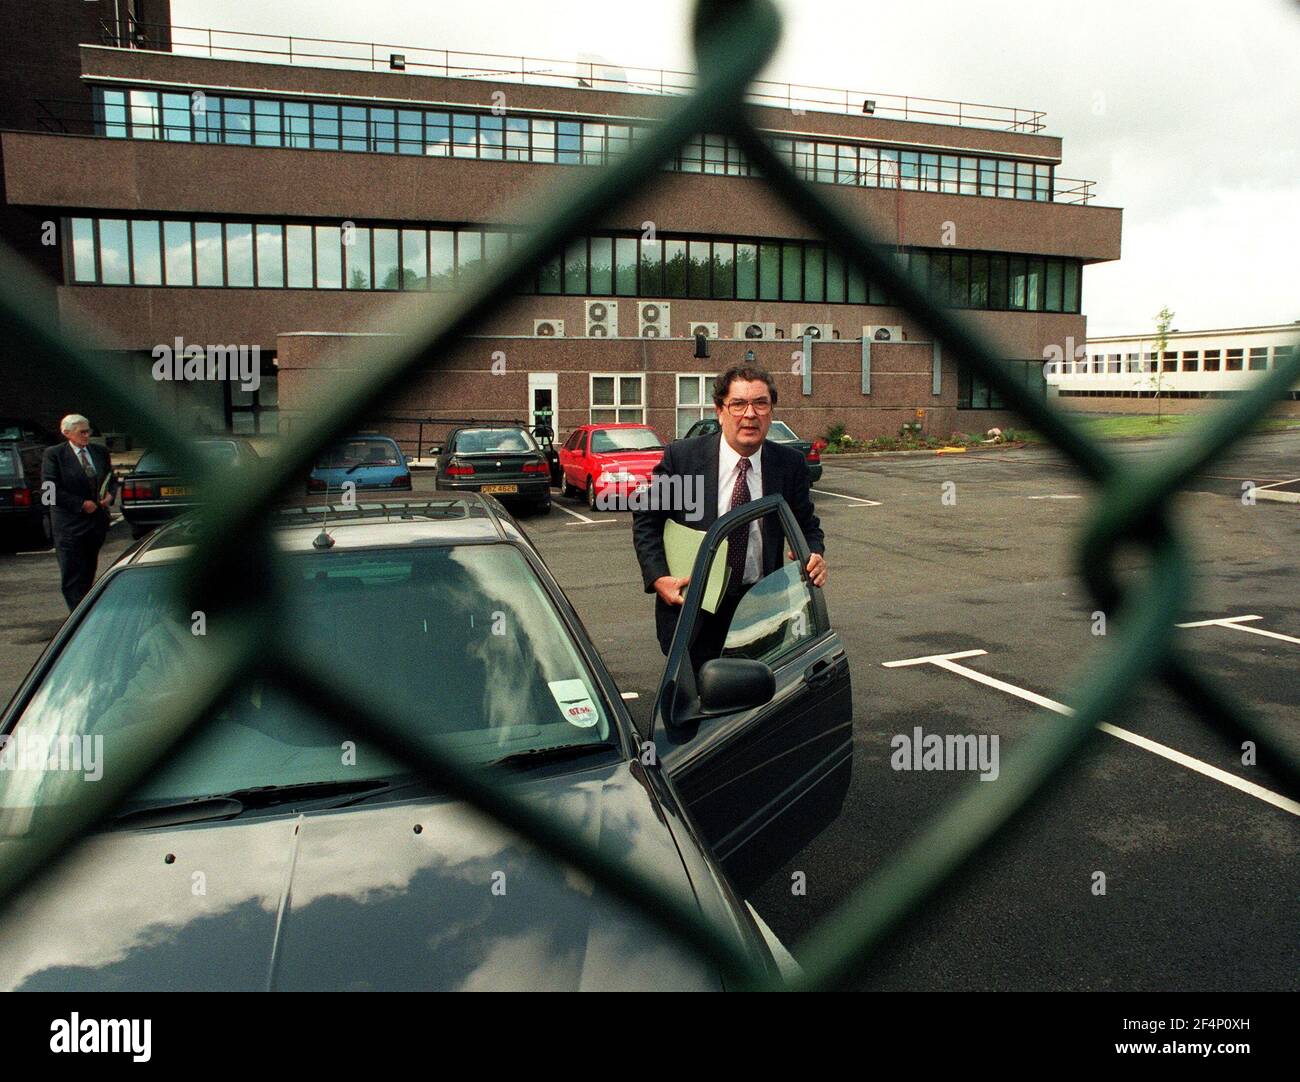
232, 572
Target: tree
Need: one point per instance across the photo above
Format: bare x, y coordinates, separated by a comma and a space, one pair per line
1163, 319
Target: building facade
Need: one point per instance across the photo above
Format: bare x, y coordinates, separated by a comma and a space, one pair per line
1126, 373
302, 207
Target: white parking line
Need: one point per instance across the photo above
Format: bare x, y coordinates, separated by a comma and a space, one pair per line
1054, 497
948, 661
1235, 623
785, 961
583, 520
1276, 483
855, 499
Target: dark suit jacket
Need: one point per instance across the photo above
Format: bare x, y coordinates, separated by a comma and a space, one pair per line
785, 473
72, 487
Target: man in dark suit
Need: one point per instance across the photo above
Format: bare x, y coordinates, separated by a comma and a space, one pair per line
733, 466
77, 470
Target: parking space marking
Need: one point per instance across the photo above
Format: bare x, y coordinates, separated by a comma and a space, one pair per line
1276, 483
1236, 623
583, 520
949, 662
855, 499
786, 963
1054, 497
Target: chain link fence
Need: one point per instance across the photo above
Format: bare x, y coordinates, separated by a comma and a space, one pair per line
232, 576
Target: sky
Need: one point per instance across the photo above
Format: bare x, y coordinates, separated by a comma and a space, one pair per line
1183, 113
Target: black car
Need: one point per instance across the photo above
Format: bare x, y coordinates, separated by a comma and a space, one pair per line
24, 517
282, 849
780, 432
153, 493
503, 460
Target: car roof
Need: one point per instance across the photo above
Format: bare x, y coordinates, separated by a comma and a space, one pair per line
438, 518
616, 424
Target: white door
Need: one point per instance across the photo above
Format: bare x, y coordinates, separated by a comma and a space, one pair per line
543, 400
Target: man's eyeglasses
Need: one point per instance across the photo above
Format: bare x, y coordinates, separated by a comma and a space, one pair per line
737, 406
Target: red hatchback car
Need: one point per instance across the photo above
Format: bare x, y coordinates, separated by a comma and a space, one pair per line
607, 463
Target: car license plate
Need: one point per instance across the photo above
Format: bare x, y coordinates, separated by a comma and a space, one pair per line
502, 489
175, 490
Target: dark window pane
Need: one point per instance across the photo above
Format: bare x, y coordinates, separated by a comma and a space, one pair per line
442, 260
791, 271
575, 266
699, 255
769, 272
602, 265
625, 266
1054, 286
415, 259
814, 270
746, 272
674, 268
998, 290
652, 268
469, 255
724, 267
548, 276
959, 280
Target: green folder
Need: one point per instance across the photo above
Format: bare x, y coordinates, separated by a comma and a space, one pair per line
681, 543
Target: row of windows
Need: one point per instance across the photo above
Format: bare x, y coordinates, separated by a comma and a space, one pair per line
199, 117
974, 392
1254, 359
152, 252
1291, 395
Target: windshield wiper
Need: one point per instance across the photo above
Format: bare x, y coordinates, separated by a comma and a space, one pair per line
238, 801
536, 756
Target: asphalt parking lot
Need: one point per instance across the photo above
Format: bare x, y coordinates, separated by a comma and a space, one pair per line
1198, 850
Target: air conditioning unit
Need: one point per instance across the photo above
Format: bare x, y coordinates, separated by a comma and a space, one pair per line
602, 319
548, 328
709, 330
653, 318
814, 330
873, 333
755, 330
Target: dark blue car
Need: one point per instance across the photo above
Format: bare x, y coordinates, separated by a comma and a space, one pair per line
369, 462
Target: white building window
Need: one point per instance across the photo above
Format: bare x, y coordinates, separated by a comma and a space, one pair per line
617, 398
694, 400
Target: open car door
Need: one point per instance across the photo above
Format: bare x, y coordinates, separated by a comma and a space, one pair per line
753, 719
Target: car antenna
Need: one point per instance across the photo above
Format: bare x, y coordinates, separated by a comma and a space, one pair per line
323, 540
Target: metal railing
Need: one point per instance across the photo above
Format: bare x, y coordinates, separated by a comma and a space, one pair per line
569, 74
231, 571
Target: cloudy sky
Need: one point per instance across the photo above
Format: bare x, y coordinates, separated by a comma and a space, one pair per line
1184, 113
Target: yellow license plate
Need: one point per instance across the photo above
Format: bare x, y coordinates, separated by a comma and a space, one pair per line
176, 490
500, 488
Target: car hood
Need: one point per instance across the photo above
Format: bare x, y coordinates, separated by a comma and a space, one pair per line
632, 461
356, 899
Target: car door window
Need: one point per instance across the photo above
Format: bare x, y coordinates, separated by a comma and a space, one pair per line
773, 617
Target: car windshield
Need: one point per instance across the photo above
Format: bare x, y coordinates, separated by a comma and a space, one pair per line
624, 439
214, 453
10, 464
13, 432
493, 441
780, 432
460, 642
360, 452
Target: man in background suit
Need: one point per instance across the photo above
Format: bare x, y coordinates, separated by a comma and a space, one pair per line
78, 469
736, 465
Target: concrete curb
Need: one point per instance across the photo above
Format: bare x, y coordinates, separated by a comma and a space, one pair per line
931, 451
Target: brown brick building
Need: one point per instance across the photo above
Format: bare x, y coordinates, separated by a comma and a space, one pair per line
297, 208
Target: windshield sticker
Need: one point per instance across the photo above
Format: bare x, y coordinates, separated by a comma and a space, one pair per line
574, 702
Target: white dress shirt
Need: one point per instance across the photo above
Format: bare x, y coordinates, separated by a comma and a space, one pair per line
728, 464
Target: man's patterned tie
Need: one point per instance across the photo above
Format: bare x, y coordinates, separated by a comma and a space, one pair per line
85, 462
738, 539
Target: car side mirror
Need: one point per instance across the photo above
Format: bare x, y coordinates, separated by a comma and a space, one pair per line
435, 449
728, 684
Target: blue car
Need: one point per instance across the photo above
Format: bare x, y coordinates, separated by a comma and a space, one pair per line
369, 462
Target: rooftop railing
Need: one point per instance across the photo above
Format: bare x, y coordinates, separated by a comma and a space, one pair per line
593, 74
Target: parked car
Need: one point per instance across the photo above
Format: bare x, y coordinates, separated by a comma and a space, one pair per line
780, 432
607, 463
24, 518
26, 430
367, 461
501, 460
545, 437
154, 493
330, 871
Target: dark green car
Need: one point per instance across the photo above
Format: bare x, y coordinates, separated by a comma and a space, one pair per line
504, 461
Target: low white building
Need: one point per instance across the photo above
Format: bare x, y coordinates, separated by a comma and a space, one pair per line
1124, 372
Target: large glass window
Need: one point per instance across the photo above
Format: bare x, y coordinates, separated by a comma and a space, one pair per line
146, 254
699, 272
178, 253
329, 257
625, 260
388, 271
239, 254
415, 259
602, 265
298, 243
575, 266
442, 260
617, 399
83, 250
266, 123
674, 268
270, 256
469, 254
208, 254
652, 268
356, 257
791, 271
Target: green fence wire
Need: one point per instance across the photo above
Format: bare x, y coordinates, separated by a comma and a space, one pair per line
233, 573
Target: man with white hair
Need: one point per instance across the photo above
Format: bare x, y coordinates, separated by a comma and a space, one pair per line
81, 474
